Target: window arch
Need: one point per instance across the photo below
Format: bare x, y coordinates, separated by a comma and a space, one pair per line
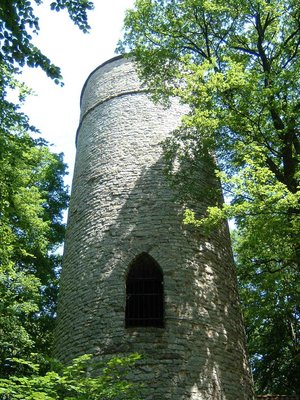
144, 293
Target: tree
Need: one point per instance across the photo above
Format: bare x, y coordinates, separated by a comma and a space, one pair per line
32, 193
236, 64
271, 310
84, 379
17, 24
32, 199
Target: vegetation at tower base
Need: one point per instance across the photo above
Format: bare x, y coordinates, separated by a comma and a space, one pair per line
75, 381
236, 64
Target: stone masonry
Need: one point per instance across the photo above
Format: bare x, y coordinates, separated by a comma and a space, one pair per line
121, 207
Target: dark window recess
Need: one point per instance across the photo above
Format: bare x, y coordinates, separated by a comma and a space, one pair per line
144, 293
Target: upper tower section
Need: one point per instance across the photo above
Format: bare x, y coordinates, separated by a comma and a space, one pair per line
116, 77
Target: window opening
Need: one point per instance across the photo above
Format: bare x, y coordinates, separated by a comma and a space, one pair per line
144, 293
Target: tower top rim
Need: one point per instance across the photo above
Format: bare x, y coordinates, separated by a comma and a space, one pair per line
110, 60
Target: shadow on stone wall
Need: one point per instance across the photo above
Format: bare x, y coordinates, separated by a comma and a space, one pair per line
200, 352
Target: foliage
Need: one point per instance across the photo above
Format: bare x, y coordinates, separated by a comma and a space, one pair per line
270, 301
18, 23
236, 64
83, 379
32, 197
32, 193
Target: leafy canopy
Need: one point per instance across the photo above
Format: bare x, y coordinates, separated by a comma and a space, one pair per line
270, 303
32, 192
32, 199
18, 23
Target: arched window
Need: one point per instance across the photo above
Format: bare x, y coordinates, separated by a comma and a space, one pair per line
144, 293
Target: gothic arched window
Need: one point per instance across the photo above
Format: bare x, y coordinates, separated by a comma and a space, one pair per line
144, 293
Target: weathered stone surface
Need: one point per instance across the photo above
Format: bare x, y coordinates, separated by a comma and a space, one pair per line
122, 206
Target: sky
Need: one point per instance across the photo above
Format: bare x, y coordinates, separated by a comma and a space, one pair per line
55, 110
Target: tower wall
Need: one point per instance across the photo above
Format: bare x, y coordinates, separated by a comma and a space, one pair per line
121, 207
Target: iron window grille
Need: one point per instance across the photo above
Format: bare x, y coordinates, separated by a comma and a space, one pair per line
144, 293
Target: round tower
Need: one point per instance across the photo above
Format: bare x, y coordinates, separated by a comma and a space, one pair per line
134, 279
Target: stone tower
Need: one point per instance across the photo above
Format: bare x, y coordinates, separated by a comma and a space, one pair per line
134, 279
